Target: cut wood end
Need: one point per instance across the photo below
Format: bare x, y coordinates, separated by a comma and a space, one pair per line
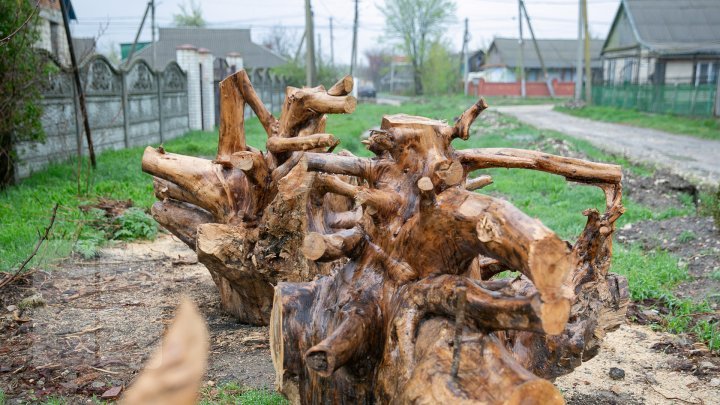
425, 184
343, 87
554, 316
350, 104
452, 175
313, 246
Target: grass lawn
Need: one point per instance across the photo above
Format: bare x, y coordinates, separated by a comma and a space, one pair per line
705, 128
559, 204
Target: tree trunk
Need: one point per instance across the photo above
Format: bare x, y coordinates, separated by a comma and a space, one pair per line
384, 268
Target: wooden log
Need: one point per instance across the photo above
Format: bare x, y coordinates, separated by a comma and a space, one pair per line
181, 219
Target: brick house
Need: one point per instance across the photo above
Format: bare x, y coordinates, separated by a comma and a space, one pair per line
52, 33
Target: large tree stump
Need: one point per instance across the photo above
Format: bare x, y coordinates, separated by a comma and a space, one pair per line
384, 267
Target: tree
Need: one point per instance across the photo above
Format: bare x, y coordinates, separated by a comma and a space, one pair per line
417, 23
282, 41
21, 70
440, 74
378, 64
190, 15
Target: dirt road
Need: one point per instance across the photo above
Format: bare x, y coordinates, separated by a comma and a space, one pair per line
697, 160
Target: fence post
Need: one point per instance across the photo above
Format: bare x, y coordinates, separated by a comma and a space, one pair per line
159, 81
717, 99
125, 107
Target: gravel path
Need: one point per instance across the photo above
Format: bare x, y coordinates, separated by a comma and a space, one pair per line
697, 160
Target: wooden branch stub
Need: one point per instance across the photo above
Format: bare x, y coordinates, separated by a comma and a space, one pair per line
572, 169
478, 182
343, 87
309, 142
462, 126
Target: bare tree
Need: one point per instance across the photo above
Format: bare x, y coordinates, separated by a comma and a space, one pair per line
378, 64
417, 23
282, 41
190, 15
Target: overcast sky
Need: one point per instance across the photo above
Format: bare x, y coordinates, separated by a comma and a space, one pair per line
487, 18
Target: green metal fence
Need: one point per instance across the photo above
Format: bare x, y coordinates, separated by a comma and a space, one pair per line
681, 99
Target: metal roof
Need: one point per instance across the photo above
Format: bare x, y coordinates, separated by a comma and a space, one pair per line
675, 26
556, 53
219, 41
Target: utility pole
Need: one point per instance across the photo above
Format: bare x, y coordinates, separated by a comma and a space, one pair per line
310, 73
578, 62
588, 71
332, 45
319, 51
152, 25
523, 93
78, 86
466, 57
551, 90
353, 57
137, 36
299, 48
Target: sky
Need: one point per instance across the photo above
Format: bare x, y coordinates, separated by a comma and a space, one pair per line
117, 21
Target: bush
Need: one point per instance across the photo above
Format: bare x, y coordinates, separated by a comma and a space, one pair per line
134, 223
21, 73
441, 71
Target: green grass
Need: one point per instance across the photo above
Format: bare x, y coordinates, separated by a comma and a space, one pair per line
231, 393
652, 276
559, 204
706, 128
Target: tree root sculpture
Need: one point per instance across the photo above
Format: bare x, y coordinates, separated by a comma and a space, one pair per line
376, 275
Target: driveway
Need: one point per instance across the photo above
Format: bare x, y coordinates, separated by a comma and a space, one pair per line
697, 160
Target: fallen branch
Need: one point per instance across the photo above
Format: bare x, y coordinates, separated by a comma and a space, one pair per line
9, 279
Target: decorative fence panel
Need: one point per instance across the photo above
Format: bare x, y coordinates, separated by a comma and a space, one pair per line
680, 99
129, 107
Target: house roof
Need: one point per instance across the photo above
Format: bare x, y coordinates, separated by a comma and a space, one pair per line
219, 41
556, 53
674, 26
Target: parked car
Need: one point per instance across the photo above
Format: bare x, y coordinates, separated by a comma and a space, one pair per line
367, 92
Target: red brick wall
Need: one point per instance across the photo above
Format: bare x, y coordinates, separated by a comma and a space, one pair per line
533, 89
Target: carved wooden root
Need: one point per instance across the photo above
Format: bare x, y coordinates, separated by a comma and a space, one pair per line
246, 212
384, 267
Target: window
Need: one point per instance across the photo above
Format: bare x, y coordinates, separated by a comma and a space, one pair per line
55, 39
628, 70
706, 72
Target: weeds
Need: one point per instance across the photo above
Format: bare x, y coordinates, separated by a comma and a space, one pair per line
687, 236
231, 393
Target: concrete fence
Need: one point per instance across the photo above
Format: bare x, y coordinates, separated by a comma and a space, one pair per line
127, 107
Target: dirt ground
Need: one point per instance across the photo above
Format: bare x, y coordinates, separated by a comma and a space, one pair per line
99, 320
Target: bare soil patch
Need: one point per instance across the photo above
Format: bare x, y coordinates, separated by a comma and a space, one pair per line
98, 321
696, 240
101, 319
